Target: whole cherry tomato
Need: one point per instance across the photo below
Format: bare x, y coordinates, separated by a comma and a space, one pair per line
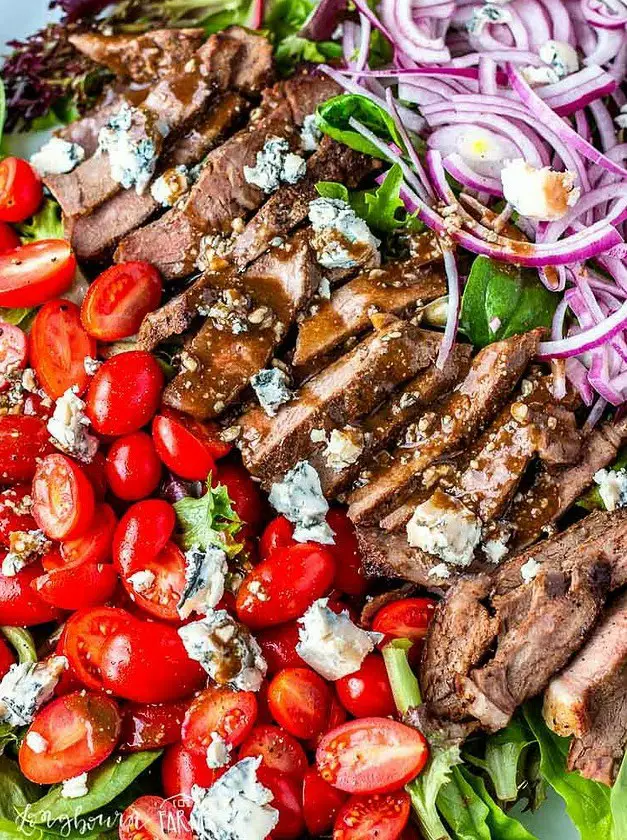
133, 469
150, 726
83, 639
186, 446
408, 618
18, 463
95, 472
181, 770
124, 393
278, 645
13, 350
8, 238
78, 586
379, 815
231, 714
288, 801
277, 534
119, 298
367, 692
321, 802
247, 500
80, 731
278, 749
93, 546
59, 346
63, 498
15, 515
154, 818
142, 532
349, 575
289, 582
20, 193
299, 701
7, 658
20, 606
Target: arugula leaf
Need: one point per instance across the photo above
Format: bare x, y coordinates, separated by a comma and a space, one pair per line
502, 300
382, 208
45, 224
209, 520
587, 802
618, 801
502, 759
22, 641
333, 119
500, 825
7, 736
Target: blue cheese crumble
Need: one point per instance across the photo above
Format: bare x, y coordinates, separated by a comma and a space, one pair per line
612, 488
486, 15
310, 134
26, 687
205, 571
446, 528
299, 498
275, 164
24, 548
236, 807
218, 752
341, 239
132, 161
68, 427
75, 787
271, 385
57, 157
173, 184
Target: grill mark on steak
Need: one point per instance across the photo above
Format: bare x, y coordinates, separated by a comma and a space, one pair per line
221, 195
493, 373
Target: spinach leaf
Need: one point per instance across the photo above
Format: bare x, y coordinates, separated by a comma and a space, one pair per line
463, 810
500, 825
502, 300
502, 758
618, 802
22, 641
16, 792
333, 119
587, 802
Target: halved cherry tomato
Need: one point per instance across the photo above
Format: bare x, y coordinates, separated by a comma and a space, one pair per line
230, 713
77, 587
288, 801
95, 472
142, 533
63, 498
248, 502
383, 816
20, 193
181, 770
37, 272
20, 606
59, 345
23, 440
349, 576
408, 618
13, 349
278, 645
321, 802
186, 446
119, 298
367, 692
277, 534
15, 515
299, 701
154, 818
133, 468
130, 668
289, 581
80, 730
83, 639
94, 546
7, 658
278, 749
150, 726
162, 595
125, 392
8, 238
371, 755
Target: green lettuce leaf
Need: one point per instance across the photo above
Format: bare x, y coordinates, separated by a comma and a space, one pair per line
425, 789
503, 757
209, 521
45, 224
618, 801
500, 824
463, 810
334, 115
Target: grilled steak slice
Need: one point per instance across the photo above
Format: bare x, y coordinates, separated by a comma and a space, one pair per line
589, 699
289, 206
394, 288
95, 235
336, 397
553, 493
493, 373
247, 317
222, 195
84, 131
229, 59
376, 602
141, 58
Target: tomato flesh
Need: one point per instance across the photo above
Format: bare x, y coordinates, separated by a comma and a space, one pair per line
154, 818
287, 800
83, 639
383, 816
150, 726
321, 802
142, 533
73, 588
7, 658
230, 713
15, 515
163, 593
20, 192
278, 645
408, 618
63, 498
18, 463
367, 692
8, 238
95, 545
119, 298
181, 769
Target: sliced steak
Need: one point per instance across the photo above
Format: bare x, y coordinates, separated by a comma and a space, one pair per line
394, 288
141, 58
376, 602
589, 699
289, 206
96, 235
222, 195
85, 130
339, 395
247, 317
554, 493
493, 373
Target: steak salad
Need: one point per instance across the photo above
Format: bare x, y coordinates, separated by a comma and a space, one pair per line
313, 432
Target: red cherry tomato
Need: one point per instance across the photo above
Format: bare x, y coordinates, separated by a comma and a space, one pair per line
337, 716
13, 349
95, 472
94, 546
142, 532
80, 730
230, 713
133, 469
321, 802
131, 669
76, 587
20, 606
244, 493
278, 749
383, 816
59, 346
119, 298
371, 755
288, 801
83, 639
18, 463
186, 446
8, 238
15, 515
367, 692
124, 393
299, 701
20, 192
289, 581
349, 577
277, 534
35, 273
162, 594
405, 619
278, 645
181, 770
7, 658
150, 726
63, 498
154, 818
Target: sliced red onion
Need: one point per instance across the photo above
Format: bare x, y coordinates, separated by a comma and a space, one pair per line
453, 308
456, 166
577, 375
322, 22
586, 340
